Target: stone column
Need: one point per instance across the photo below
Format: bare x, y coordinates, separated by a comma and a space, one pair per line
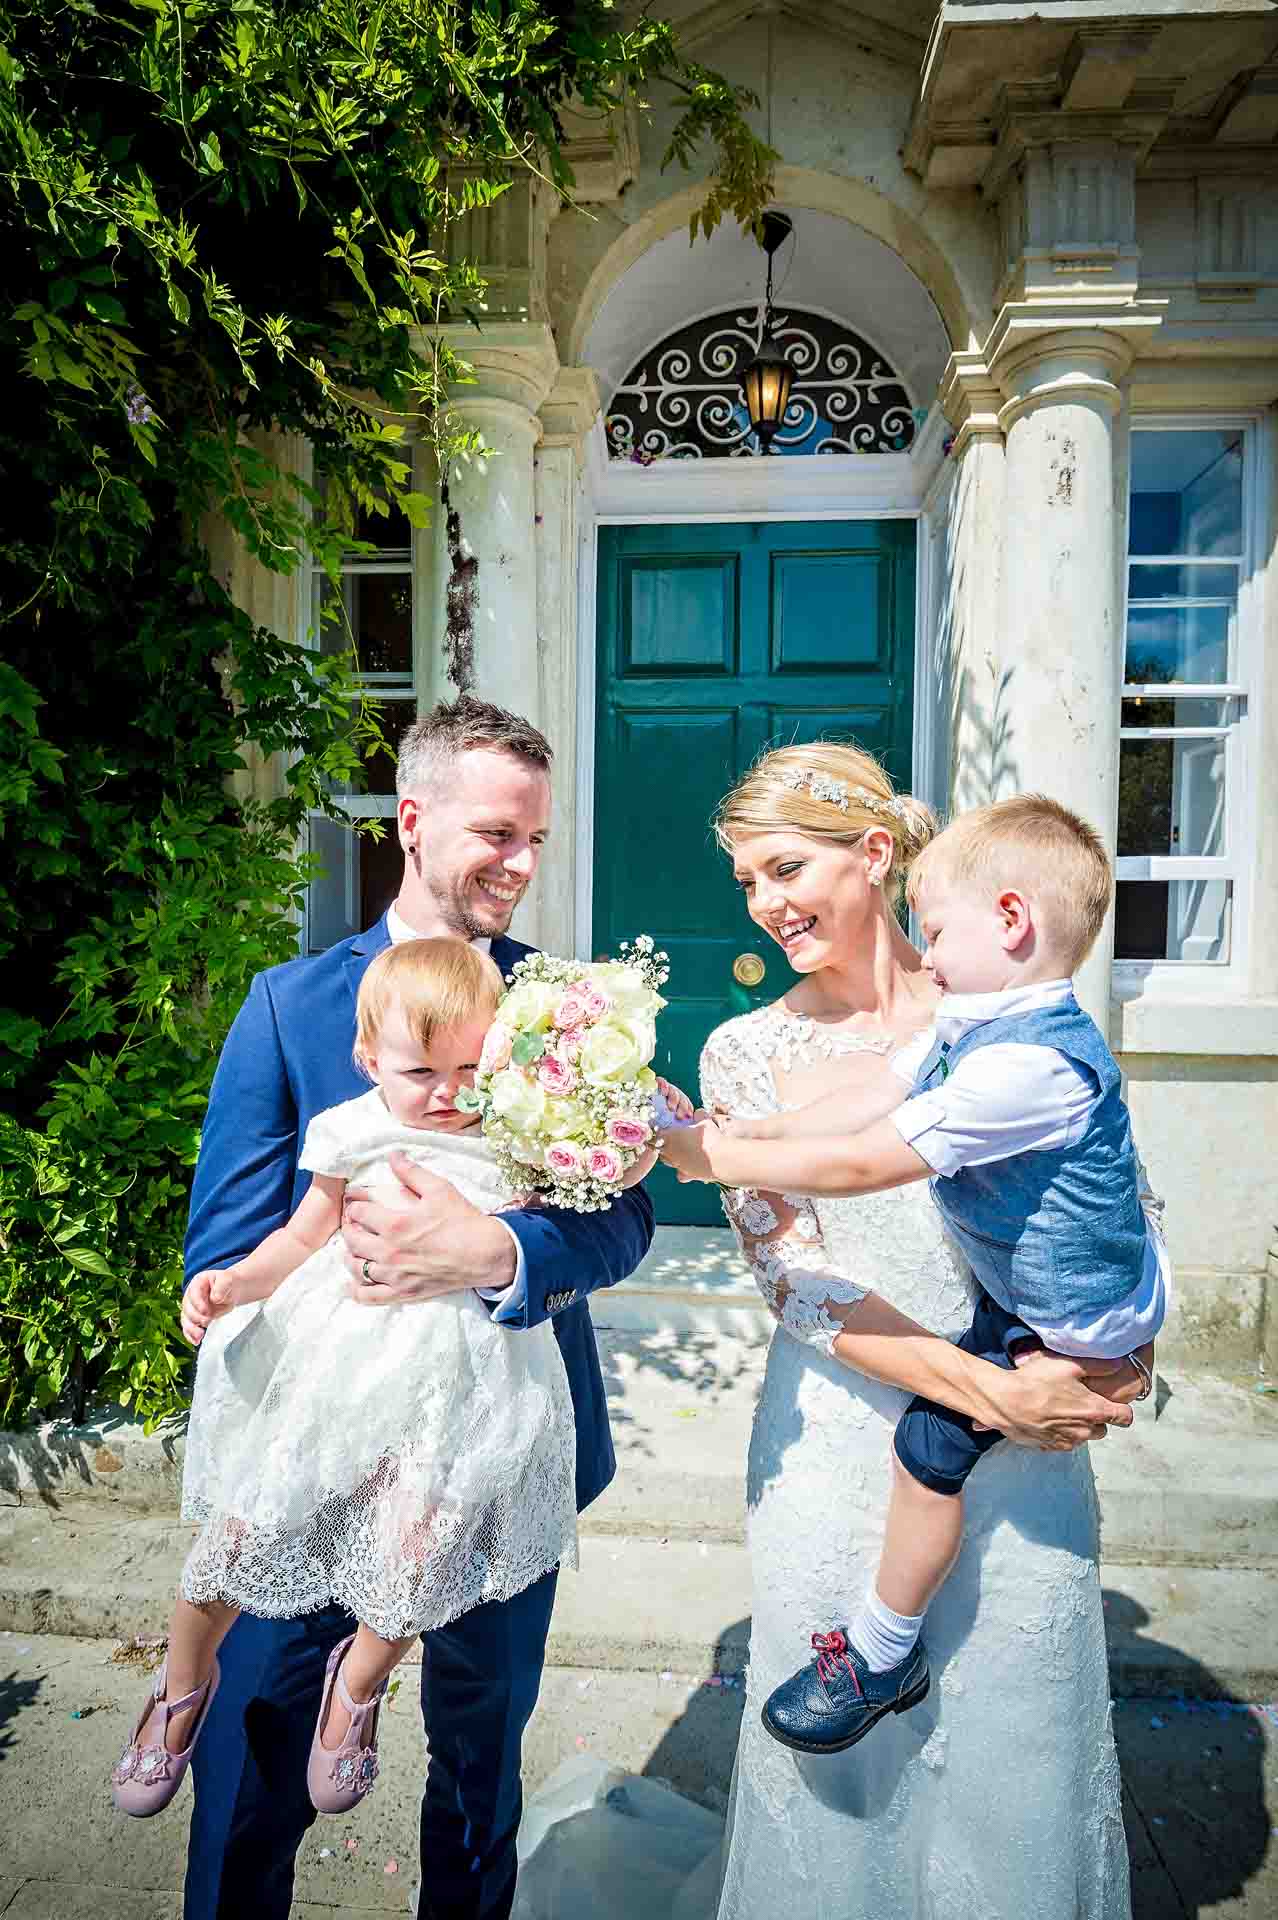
969, 665
1060, 641
567, 415
486, 570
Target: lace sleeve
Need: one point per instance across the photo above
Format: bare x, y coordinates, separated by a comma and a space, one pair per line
779, 1234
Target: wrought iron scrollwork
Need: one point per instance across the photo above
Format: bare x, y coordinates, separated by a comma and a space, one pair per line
684, 399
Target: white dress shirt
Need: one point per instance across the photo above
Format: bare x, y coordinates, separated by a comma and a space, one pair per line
399, 929
1016, 1097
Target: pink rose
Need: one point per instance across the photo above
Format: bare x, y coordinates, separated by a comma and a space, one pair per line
496, 1049
604, 1163
571, 1010
564, 1159
556, 1075
628, 1133
570, 1042
597, 1004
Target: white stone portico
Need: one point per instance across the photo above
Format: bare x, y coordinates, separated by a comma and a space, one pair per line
1057, 222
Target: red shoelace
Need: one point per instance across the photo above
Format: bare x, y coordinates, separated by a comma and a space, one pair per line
832, 1653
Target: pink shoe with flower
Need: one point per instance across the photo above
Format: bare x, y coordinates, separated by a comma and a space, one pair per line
147, 1775
338, 1778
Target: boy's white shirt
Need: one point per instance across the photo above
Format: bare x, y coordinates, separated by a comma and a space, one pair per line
399, 929
1015, 1097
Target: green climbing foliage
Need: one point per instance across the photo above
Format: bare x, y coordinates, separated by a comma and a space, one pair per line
228, 229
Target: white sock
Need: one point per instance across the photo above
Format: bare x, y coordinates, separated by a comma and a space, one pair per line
881, 1637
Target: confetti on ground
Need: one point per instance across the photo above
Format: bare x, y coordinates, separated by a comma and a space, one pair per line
325, 1852
666, 1677
24, 1649
392, 1866
584, 1686
1159, 1821
1159, 1724
715, 1680
351, 1845
581, 1744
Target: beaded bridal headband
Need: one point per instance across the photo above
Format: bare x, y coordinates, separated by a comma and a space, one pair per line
822, 786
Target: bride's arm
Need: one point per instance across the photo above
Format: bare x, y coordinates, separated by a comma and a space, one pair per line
1044, 1406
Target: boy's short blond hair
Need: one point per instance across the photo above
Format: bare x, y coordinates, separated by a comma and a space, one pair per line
439, 984
1037, 847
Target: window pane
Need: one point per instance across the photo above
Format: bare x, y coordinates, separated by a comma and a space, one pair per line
1186, 920
379, 609
1197, 581
1152, 710
1178, 643
1171, 797
361, 877
1186, 492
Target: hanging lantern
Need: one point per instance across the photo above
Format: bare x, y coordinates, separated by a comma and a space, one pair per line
767, 381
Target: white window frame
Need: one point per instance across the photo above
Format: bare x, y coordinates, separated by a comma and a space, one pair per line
386, 687
1240, 695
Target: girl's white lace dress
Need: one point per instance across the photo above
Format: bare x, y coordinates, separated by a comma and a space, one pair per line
408, 1462
996, 1799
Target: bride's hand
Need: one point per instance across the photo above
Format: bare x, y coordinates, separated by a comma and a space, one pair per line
1047, 1406
684, 1149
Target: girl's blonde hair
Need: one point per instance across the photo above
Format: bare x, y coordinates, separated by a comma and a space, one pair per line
829, 790
1036, 846
438, 984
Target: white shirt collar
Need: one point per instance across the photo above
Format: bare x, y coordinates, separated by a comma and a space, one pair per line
399, 929
959, 1012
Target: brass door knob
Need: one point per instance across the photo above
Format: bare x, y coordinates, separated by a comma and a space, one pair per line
748, 969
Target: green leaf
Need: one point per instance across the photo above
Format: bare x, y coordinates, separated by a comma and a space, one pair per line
62, 293
179, 305
85, 1260
105, 306
211, 152
527, 1048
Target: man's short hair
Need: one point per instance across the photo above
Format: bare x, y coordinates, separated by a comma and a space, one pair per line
433, 742
1036, 847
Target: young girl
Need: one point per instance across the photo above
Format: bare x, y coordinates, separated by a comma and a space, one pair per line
407, 1462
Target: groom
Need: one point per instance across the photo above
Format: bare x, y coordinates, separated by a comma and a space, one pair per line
473, 816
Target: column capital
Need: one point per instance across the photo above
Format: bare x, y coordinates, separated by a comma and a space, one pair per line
1071, 349
514, 361
571, 408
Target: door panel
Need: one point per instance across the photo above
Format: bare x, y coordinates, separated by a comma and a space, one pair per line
714, 643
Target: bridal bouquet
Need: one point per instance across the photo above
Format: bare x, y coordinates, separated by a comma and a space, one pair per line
564, 1082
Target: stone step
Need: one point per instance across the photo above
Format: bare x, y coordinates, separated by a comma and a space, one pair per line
1194, 1482
644, 1605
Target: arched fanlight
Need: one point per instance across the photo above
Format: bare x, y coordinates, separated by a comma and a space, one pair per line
769, 377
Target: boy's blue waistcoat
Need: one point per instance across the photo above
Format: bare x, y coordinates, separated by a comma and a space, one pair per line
1056, 1232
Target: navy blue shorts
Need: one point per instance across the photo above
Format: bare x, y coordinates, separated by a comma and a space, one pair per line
937, 1446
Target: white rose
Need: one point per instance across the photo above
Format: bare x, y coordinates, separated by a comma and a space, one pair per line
528, 1006
564, 1117
519, 1102
627, 988
609, 1053
642, 1030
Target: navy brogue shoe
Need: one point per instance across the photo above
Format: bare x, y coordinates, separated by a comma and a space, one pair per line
835, 1700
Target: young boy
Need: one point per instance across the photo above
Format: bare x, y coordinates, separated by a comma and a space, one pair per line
1017, 1117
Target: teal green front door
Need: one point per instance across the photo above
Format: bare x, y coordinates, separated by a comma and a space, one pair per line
714, 643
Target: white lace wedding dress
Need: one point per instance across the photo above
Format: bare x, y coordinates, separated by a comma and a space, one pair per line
996, 1799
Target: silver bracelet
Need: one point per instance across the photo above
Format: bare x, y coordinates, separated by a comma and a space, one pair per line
1146, 1376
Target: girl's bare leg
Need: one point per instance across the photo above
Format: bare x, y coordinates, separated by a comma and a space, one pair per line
369, 1659
195, 1634
920, 1543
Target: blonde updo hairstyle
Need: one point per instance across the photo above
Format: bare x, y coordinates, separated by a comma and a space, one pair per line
828, 790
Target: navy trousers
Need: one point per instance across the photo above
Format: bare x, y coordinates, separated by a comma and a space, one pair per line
480, 1678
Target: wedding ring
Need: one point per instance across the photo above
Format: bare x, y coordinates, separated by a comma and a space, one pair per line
368, 1278
1147, 1381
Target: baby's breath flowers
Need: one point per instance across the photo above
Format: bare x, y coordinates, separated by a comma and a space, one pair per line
564, 1084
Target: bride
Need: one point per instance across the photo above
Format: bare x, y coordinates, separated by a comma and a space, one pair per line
998, 1796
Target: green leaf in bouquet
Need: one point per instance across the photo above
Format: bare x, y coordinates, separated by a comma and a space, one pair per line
466, 1100
527, 1048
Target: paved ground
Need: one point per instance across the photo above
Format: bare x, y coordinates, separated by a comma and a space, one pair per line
1199, 1781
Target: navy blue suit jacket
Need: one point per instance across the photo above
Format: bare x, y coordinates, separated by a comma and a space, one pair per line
286, 1058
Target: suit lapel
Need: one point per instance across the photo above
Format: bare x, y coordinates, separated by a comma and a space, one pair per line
505, 952
364, 947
